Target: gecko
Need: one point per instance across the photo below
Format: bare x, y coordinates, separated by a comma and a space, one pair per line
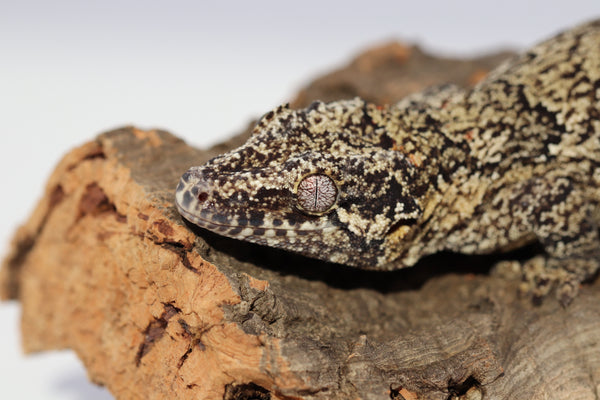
511, 161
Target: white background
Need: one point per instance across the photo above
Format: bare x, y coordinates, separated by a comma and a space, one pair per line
72, 69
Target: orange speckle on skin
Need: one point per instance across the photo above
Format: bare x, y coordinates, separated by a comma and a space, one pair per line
398, 147
415, 159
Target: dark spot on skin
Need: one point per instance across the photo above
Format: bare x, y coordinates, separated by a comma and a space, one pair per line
313, 106
242, 220
205, 214
184, 179
194, 191
235, 231
294, 218
272, 198
280, 232
260, 157
257, 218
376, 177
259, 231
277, 222
187, 200
220, 219
386, 142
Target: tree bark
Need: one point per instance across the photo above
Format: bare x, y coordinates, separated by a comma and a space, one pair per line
159, 309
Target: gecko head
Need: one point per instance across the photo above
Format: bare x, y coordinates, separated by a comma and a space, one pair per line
324, 182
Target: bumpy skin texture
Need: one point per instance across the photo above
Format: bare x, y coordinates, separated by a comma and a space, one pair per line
513, 160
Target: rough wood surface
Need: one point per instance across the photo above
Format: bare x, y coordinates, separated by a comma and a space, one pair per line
159, 310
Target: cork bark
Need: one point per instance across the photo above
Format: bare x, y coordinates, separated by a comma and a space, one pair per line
158, 309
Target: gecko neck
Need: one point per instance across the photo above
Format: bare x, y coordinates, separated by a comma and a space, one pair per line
439, 156
420, 132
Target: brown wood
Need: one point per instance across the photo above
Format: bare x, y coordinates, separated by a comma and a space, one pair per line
157, 309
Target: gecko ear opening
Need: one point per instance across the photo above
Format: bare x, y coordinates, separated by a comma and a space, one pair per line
401, 227
404, 221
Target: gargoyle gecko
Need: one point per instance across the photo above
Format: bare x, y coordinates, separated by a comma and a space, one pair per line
513, 160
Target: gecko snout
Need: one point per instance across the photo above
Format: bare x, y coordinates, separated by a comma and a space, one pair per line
198, 200
192, 191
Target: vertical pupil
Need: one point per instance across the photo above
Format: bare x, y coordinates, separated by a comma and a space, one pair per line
316, 200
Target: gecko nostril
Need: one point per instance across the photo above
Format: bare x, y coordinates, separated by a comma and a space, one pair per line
202, 196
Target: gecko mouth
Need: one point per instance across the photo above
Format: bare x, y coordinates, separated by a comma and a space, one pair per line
249, 232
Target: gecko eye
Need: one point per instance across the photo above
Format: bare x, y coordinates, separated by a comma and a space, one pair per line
316, 194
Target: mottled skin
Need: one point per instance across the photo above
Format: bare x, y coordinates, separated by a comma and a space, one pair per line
513, 160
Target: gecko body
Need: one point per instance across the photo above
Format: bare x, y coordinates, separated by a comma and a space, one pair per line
514, 160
